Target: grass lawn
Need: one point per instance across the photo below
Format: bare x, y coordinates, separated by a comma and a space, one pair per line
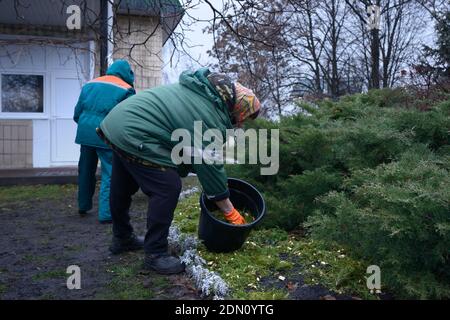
273, 263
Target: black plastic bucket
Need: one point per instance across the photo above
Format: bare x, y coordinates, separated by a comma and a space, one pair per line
219, 236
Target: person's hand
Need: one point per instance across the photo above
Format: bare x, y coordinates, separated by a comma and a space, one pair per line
234, 217
230, 213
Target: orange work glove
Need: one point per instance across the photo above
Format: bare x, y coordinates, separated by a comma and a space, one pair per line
234, 217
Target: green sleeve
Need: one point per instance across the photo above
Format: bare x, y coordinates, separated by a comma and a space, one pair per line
213, 179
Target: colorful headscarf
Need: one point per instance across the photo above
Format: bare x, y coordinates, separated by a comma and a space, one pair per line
247, 104
224, 87
241, 101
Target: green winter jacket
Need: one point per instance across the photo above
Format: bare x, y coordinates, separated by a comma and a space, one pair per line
143, 125
98, 97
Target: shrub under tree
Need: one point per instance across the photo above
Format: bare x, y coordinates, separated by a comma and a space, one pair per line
370, 172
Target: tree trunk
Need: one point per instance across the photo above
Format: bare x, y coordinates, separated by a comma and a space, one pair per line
375, 56
103, 36
334, 57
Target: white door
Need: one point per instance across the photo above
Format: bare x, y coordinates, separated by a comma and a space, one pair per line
68, 76
63, 129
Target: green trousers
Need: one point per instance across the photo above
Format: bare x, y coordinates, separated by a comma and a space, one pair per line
87, 168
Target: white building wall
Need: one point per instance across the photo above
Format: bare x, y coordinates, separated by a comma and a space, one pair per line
52, 131
146, 60
50, 137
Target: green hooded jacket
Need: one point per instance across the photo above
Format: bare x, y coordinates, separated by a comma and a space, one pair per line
98, 97
143, 124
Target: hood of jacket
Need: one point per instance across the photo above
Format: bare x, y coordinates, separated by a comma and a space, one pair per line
198, 82
122, 69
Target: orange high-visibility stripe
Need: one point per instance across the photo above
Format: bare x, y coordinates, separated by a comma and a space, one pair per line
112, 80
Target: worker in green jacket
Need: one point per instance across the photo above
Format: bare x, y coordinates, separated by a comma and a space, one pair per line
98, 97
140, 129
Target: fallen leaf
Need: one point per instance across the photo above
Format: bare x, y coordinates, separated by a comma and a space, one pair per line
292, 286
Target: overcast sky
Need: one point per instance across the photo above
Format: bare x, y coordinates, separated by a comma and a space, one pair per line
198, 43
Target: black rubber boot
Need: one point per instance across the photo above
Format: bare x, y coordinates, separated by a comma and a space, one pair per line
163, 264
133, 243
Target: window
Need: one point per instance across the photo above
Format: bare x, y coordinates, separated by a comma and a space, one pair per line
22, 93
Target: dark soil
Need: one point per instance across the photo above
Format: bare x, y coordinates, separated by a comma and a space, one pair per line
294, 282
41, 237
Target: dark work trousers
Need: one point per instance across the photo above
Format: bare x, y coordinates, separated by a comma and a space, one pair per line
162, 187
